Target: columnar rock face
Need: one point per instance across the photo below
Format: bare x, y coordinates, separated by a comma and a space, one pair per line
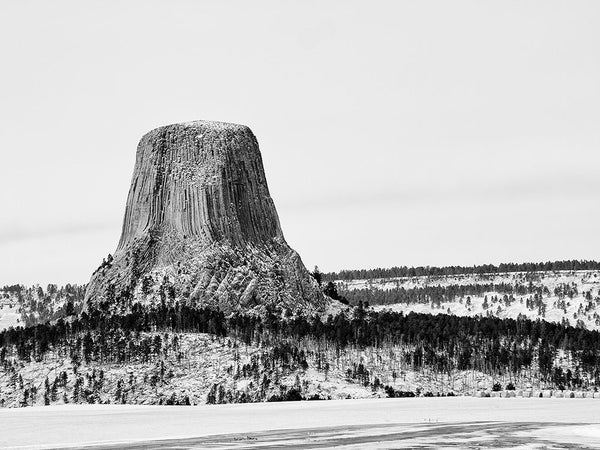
201, 227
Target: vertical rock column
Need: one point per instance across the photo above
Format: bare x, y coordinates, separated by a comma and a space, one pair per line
199, 213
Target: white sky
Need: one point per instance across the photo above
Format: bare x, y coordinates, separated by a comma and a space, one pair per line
392, 133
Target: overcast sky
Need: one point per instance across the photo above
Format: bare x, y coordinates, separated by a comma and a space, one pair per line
392, 133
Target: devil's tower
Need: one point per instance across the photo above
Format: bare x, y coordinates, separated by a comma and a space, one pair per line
201, 227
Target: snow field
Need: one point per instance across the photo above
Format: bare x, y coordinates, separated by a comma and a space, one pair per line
76, 425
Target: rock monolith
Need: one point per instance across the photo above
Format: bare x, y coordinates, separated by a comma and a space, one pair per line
201, 227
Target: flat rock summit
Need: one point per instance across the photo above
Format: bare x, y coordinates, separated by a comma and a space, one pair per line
201, 227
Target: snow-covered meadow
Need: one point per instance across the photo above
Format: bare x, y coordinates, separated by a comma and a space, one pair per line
439, 422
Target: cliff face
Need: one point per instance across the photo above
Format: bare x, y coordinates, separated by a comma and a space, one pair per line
200, 226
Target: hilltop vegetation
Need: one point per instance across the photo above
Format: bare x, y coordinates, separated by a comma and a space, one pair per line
423, 271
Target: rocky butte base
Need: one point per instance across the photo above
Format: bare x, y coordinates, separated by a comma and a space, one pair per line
200, 227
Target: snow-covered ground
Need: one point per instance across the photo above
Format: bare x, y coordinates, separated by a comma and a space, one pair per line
476, 309
9, 316
447, 422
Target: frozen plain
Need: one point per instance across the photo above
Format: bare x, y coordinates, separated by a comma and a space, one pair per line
447, 422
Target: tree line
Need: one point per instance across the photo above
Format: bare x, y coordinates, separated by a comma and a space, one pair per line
404, 271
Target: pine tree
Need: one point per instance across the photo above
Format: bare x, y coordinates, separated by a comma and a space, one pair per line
46, 392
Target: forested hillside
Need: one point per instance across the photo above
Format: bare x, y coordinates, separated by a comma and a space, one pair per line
176, 354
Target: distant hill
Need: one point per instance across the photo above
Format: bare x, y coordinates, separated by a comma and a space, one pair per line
404, 271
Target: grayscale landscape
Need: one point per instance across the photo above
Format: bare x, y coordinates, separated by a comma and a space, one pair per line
252, 225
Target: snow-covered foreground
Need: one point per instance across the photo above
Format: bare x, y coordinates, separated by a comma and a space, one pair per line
373, 423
